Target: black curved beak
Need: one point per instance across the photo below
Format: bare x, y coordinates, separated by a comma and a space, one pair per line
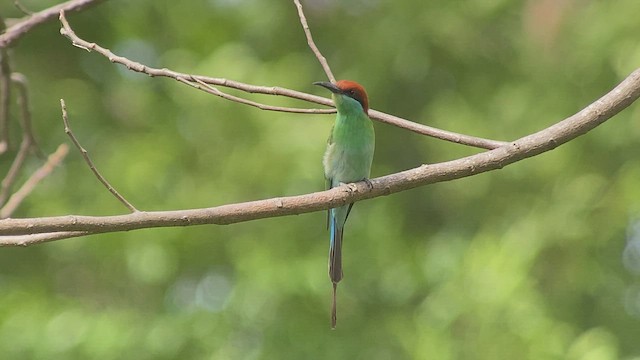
328, 85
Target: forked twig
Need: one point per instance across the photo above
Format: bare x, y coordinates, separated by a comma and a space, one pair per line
201, 85
20, 28
457, 138
623, 95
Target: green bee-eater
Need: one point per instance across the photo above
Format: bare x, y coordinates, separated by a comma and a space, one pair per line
347, 159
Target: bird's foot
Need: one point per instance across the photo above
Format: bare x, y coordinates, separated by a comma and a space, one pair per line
352, 187
369, 183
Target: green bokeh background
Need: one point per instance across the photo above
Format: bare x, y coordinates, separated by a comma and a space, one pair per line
539, 260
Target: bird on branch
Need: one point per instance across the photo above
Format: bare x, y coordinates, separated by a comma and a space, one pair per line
347, 159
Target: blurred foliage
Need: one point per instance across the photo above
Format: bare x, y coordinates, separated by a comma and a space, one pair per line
540, 260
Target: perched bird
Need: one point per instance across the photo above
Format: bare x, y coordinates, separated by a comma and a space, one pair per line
347, 159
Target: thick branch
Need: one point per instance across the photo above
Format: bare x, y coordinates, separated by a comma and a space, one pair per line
196, 80
19, 29
593, 115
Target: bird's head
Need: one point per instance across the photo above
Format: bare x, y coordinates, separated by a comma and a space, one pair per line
347, 94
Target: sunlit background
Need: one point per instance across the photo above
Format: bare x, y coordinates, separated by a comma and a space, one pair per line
539, 260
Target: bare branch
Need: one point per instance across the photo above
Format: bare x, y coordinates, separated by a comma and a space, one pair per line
87, 159
5, 100
67, 31
14, 170
212, 90
25, 113
16, 199
446, 135
593, 115
28, 140
21, 7
25, 240
19, 29
394, 120
312, 44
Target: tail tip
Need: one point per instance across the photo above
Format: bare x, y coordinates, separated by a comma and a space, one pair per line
334, 317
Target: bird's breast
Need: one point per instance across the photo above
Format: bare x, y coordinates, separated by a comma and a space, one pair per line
345, 163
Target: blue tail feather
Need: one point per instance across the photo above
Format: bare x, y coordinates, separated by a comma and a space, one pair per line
335, 248
335, 259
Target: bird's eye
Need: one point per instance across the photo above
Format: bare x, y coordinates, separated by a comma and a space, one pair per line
352, 92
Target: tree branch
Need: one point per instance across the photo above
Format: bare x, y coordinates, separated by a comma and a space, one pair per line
196, 81
593, 115
19, 29
20, 81
215, 91
312, 44
24, 240
28, 139
21, 7
16, 199
14, 170
87, 159
5, 100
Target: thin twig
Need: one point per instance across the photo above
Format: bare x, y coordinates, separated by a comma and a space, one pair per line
25, 112
26, 240
5, 96
212, 90
22, 8
19, 29
312, 44
547, 139
28, 140
87, 159
14, 170
391, 119
16, 199
67, 31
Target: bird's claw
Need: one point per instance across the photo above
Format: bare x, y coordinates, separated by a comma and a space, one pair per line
353, 187
369, 183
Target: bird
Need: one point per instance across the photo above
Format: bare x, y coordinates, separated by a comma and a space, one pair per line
347, 159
